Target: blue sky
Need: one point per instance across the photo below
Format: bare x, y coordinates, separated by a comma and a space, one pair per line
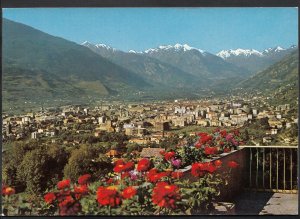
210, 29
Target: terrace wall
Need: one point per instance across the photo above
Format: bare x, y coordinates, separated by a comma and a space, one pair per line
237, 179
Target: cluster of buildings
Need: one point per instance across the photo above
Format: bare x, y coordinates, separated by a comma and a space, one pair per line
143, 123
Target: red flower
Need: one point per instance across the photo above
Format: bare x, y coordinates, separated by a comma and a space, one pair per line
119, 168
125, 175
129, 192
129, 166
217, 130
201, 134
169, 155
81, 189
67, 201
108, 196
49, 197
63, 184
205, 138
223, 133
232, 164
143, 165
198, 145
120, 161
69, 206
153, 176
177, 174
197, 169
165, 195
236, 132
110, 180
8, 191
162, 152
226, 150
210, 167
218, 163
60, 196
84, 179
210, 150
152, 171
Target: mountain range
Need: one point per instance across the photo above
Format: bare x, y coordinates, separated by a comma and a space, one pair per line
39, 68
254, 60
179, 65
248, 61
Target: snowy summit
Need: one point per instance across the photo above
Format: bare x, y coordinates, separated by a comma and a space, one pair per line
100, 45
224, 54
176, 47
238, 52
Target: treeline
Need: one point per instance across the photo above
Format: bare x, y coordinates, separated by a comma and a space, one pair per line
34, 166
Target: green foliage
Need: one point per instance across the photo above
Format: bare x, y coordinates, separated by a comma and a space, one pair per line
200, 194
291, 132
33, 170
13, 158
169, 143
33, 166
57, 160
190, 155
279, 81
257, 129
87, 159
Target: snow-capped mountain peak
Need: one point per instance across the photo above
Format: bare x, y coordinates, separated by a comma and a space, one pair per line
273, 50
86, 43
98, 46
224, 54
176, 47
105, 47
133, 51
278, 48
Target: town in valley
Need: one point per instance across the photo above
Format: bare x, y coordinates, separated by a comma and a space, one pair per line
150, 124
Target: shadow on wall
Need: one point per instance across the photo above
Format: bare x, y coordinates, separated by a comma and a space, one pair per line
251, 203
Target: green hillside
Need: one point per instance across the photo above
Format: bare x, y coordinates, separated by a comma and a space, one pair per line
280, 81
51, 67
280, 74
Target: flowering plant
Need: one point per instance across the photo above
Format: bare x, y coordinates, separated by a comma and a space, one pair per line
152, 191
148, 186
219, 141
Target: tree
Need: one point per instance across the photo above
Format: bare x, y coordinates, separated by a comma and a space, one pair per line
85, 160
33, 169
92, 140
132, 147
264, 123
58, 158
12, 159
